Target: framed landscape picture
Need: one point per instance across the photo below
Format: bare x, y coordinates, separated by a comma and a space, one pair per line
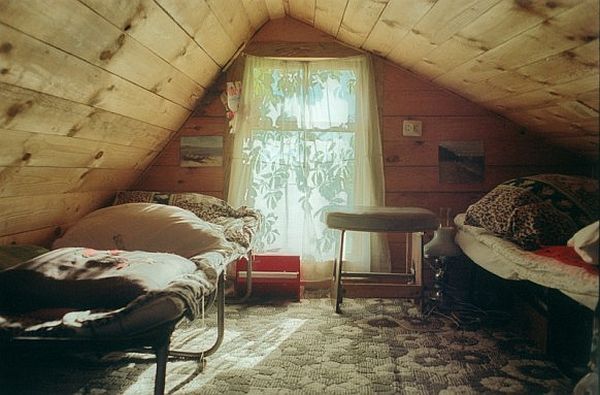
461, 162
200, 151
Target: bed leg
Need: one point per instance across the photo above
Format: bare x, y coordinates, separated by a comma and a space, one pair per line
200, 355
243, 299
162, 355
338, 288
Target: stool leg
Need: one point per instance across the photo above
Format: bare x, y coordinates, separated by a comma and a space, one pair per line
338, 278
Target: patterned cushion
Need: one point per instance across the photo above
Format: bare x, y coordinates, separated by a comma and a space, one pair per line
537, 210
540, 224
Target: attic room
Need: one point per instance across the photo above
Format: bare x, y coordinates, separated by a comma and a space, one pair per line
299, 196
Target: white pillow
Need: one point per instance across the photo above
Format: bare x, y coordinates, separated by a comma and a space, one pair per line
145, 227
585, 243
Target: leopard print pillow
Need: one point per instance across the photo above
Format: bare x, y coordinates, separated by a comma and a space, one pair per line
540, 224
520, 216
494, 210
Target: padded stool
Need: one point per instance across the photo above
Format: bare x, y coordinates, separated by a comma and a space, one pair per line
410, 220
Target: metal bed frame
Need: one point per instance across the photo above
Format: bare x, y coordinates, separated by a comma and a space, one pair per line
154, 340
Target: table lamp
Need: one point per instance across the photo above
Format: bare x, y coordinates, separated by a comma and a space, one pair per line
440, 248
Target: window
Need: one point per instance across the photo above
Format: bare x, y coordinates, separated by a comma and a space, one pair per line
302, 134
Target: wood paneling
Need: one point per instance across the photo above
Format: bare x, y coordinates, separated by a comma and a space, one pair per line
358, 20
30, 111
31, 181
93, 39
203, 26
37, 212
31, 64
147, 23
90, 92
44, 150
183, 179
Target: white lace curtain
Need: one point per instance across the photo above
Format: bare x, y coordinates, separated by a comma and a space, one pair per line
307, 139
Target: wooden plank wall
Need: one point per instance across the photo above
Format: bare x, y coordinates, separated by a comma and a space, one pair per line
411, 163
91, 91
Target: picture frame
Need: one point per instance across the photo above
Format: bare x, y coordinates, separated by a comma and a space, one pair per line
461, 162
201, 151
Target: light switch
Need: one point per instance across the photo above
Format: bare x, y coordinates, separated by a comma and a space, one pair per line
412, 128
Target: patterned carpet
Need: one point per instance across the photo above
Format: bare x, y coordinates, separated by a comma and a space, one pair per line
376, 346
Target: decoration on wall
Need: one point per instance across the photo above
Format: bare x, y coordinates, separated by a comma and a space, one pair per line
461, 162
231, 101
201, 151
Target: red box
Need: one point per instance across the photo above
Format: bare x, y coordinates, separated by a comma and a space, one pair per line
272, 275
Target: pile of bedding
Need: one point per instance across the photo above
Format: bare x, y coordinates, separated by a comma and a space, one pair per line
540, 210
240, 224
78, 291
509, 261
124, 267
541, 228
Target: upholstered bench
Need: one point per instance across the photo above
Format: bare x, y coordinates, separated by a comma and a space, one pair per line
410, 220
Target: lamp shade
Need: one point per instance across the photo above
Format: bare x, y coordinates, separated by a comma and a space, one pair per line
442, 243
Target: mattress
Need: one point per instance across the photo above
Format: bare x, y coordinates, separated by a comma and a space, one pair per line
506, 260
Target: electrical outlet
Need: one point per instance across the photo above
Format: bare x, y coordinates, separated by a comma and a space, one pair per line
412, 128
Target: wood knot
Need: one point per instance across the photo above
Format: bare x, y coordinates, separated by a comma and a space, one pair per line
4, 71
99, 154
106, 54
524, 3
551, 4
18, 108
73, 131
26, 156
58, 231
6, 47
14, 110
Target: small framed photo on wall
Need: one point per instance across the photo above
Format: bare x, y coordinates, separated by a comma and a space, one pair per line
201, 151
461, 162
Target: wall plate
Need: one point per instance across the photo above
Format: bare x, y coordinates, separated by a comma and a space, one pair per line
412, 128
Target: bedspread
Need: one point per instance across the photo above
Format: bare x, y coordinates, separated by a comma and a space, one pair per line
518, 264
84, 289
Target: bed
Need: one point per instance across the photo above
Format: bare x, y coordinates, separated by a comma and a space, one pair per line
521, 230
123, 276
541, 233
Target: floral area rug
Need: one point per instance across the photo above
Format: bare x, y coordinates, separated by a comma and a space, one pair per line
375, 346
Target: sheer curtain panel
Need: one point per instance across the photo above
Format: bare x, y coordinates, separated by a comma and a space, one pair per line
307, 139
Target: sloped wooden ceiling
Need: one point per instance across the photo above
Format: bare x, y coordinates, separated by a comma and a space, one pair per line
91, 90
533, 61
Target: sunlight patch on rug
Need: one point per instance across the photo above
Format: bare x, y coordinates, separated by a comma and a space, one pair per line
236, 352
